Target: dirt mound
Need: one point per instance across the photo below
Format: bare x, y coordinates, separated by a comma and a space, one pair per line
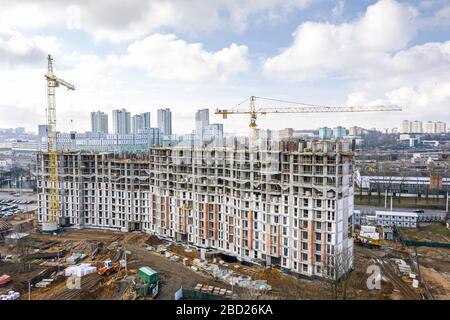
154, 241
135, 238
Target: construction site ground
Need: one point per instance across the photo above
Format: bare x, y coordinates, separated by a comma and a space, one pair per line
434, 265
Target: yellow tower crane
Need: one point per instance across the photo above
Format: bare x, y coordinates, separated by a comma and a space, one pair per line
254, 111
52, 219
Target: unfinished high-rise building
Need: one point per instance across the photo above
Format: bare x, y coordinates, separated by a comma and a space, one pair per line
284, 203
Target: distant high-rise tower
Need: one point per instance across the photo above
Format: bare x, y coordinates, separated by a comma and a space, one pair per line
417, 127
43, 133
441, 127
121, 121
430, 127
43, 130
140, 122
201, 119
339, 132
325, 133
406, 126
165, 121
99, 122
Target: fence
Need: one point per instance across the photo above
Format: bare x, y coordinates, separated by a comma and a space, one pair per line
425, 244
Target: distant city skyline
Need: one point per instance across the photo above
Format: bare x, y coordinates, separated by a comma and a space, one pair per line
321, 52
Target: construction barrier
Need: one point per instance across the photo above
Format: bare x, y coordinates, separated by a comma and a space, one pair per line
425, 244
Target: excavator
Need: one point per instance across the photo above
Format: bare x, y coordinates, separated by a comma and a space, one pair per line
109, 267
114, 265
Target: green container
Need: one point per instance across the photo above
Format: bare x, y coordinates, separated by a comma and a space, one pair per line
148, 275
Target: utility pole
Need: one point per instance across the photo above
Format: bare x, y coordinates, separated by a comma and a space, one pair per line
391, 203
29, 290
385, 198
446, 203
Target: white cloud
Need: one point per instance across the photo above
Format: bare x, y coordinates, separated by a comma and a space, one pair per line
170, 58
370, 55
116, 20
338, 9
347, 49
15, 48
114, 80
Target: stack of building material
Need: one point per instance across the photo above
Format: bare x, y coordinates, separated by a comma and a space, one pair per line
369, 229
80, 270
75, 258
212, 290
12, 295
369, 232
44, 283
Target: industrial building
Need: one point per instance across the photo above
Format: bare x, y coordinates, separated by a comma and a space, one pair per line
284, 203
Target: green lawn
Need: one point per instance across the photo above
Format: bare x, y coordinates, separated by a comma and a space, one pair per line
437, 232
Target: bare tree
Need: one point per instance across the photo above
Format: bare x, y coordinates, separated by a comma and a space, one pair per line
336, 270
23, 249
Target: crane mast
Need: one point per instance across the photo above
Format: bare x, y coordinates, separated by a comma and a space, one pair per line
52, 218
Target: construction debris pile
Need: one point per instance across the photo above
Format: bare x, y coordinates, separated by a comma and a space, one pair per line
213, 290
406, 273
218, 269
228, 276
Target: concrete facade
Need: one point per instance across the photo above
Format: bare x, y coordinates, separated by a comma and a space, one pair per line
286, 205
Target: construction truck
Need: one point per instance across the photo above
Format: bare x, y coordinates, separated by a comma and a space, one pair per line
367, 241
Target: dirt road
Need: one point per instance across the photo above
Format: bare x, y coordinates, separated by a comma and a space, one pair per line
173, 275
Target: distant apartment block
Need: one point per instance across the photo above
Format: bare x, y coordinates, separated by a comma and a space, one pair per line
42, 132
430, 127
201, 119
417, 126
325, 133
441, 127
103, 142
288, 204
165, 121
140, 122
406, 126
206, 133
121, 121
99, 122
339, 132
355, 131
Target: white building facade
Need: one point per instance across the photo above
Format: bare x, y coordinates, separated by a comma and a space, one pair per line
287, 206
397, 218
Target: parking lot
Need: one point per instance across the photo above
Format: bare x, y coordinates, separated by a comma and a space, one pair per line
13, 203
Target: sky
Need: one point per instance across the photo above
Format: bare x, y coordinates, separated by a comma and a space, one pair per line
143, 55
